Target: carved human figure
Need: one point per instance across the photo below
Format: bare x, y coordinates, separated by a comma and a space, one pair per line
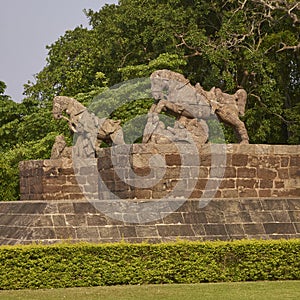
90, 131
174, 93
228, 108
60, 148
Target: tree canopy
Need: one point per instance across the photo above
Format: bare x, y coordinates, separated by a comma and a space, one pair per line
229, 44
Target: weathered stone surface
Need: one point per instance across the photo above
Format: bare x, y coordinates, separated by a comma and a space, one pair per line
254, 229
249, 171
279, 228
215, 229
260, 193
261, 216
175, 230
221, 219
59, 220
194, 217
127, 231
239, 159
174, 218
281, 216
65, 233
235, 230
146, 231
109, 232
88, 233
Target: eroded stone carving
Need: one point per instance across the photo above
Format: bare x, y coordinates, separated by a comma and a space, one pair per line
228, 108
90, 130
185, 130
60, 148
192, 105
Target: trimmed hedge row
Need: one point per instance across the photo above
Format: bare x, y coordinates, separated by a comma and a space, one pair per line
83, 265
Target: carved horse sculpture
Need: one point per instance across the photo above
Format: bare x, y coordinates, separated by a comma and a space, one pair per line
90, 130
173, 92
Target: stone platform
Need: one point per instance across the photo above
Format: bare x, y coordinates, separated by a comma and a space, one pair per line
221, 171
50, 222
223, 192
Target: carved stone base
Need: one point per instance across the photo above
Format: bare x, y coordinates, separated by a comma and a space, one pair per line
257, 196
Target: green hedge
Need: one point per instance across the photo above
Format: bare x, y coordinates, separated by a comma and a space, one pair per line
38, 266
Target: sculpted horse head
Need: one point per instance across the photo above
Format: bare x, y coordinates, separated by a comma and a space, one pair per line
71, 107
66, 104
163, 81
81, 121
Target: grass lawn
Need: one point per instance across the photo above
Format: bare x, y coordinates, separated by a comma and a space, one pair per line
231, 291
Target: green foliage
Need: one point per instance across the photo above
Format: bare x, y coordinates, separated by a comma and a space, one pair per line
72, 67
164, 61
27, 131
293, 117
9, 164
84, 265
227, 44
129, 102
10, 117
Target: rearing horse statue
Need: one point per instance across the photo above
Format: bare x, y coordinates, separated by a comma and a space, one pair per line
173, 92
86, 124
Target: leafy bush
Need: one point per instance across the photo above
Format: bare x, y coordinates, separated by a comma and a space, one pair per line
9, 164
55, 266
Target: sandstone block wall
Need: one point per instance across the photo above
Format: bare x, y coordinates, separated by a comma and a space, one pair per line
256, 196
48, 222
249, 171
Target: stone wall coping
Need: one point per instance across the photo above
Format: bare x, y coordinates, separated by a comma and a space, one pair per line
253, 149
50, 202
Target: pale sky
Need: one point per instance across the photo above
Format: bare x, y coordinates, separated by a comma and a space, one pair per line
27, 27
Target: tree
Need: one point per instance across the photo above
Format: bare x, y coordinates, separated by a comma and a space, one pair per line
10, 117
9, 164
229, 44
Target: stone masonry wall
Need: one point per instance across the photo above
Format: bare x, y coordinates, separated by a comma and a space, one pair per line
257, 195
48, 222
249, 171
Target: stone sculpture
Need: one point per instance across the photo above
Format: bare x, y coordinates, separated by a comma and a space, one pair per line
228, 108
185, 130
60, 148
90, 130
192, 105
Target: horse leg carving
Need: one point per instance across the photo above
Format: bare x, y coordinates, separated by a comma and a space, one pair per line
151, 125
233, 120
242, 132
159, 107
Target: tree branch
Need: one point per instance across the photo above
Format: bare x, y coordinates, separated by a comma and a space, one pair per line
265, 106
285, 47
197, 52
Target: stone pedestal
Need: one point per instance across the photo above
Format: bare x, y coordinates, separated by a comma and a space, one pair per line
145, 171
254, 193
